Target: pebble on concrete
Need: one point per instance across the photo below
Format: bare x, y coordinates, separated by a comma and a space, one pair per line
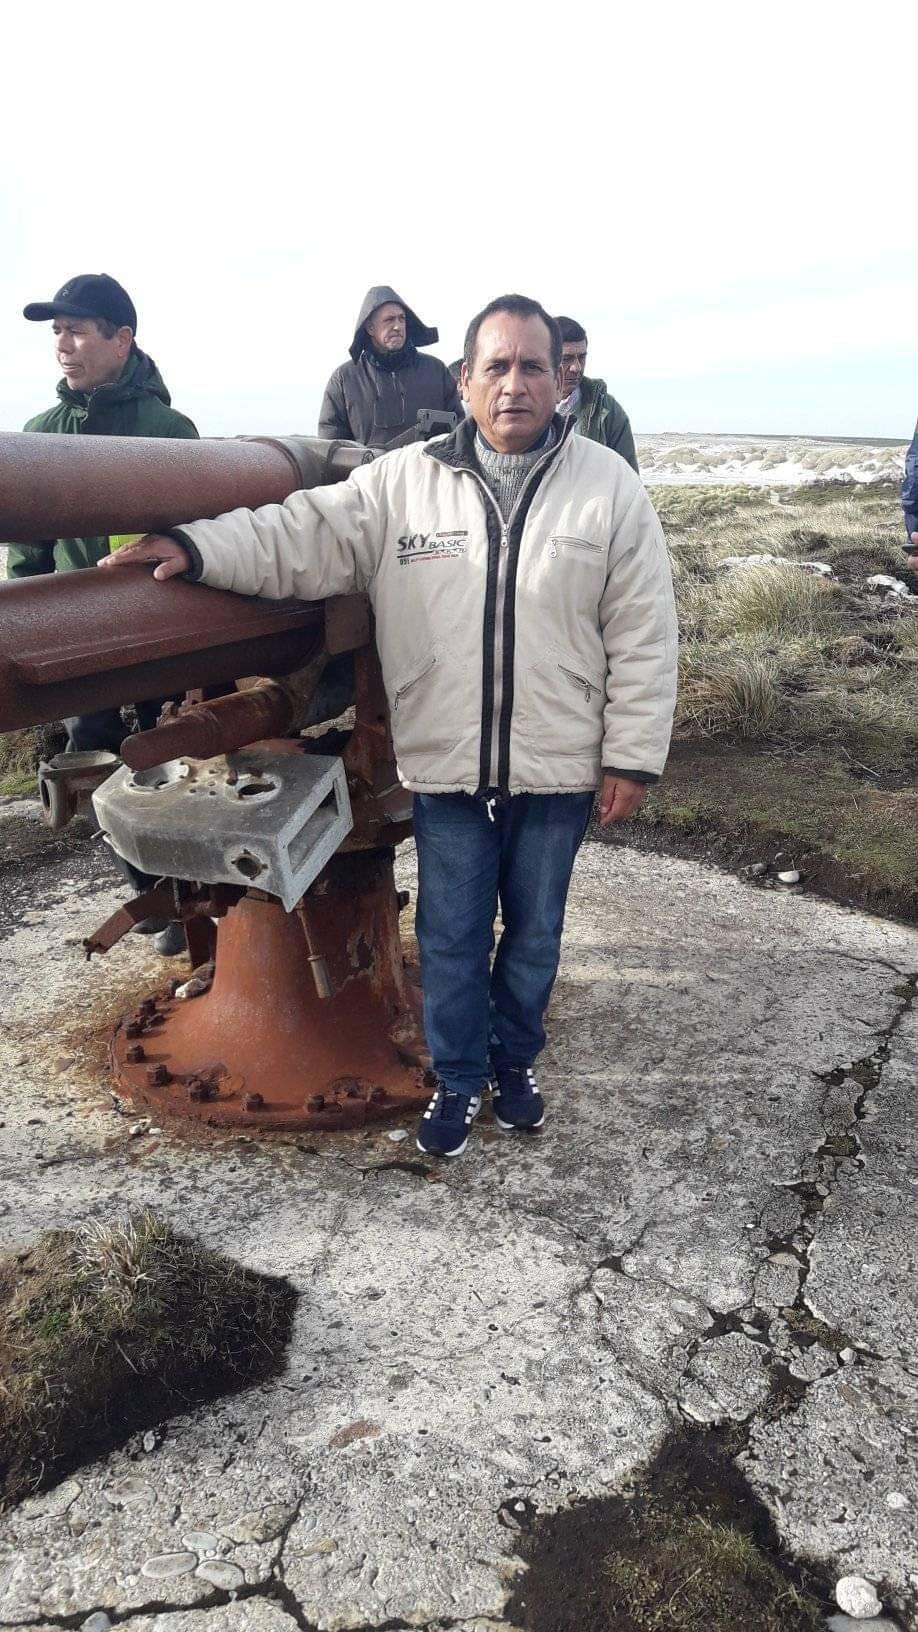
221, 1573
168, 1564
857, 1597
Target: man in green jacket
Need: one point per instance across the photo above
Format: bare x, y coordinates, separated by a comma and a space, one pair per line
598, 414
109, 388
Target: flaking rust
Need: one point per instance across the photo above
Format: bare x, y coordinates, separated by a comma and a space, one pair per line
304, 1018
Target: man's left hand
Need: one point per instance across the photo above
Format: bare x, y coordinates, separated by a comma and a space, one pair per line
619, 798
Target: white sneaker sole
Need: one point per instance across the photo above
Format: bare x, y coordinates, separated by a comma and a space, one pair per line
513, 1127
457, 1152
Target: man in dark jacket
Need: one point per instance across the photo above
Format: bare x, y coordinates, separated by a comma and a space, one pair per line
377, 395
109, 388
598, 414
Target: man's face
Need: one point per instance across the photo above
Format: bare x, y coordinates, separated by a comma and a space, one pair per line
386, 327
573, 365
86, 356
511, 387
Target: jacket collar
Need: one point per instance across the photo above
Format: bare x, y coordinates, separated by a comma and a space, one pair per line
139, 377
457, 450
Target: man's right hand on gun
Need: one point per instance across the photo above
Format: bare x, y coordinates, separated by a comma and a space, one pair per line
171, 557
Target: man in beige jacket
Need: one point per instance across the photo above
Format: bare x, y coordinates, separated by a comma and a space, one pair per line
527, 633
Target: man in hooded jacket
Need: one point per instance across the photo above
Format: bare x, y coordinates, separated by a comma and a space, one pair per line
109, 388
378, 394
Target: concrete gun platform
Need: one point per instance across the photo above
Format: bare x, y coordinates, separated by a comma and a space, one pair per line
717, 1225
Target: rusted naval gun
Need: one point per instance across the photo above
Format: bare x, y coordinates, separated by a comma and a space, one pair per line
276, 853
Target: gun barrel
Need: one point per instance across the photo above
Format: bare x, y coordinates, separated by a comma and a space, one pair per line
74, 642
81, 486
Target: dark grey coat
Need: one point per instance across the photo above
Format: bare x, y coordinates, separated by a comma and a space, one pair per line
368, 400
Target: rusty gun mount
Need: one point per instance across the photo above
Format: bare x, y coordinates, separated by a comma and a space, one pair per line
275, 850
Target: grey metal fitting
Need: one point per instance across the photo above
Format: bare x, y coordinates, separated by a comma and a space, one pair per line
256, 818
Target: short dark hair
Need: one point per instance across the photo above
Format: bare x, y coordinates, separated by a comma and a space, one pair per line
571, 330
517, 306
108, 330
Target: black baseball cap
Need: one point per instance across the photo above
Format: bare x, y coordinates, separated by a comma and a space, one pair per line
91, 294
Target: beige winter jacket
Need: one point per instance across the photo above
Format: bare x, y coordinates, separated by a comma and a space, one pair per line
521, 658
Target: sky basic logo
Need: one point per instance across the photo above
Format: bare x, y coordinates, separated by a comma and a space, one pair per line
431, 546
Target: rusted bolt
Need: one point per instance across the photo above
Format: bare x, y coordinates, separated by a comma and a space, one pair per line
232, 777
158, 1075
133, 1029
134, 1054
402, 898
315, 1102
376, 1095
253, 1102
148, 1006
200, 1089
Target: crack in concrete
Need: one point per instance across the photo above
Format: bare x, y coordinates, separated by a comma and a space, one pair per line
831, 1158
218, 1599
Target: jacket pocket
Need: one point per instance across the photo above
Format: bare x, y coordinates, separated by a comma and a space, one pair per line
427, 706
570, 544
407, 683
559, 706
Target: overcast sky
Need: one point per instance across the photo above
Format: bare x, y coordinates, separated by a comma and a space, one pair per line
723, 195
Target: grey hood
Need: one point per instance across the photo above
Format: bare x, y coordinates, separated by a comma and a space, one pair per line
417, 333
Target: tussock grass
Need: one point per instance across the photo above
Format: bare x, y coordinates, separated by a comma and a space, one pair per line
797, 713
114, 1326
772, 652
19, 755
775, 600
726, 690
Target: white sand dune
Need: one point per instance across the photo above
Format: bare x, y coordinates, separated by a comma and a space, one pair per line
792, 461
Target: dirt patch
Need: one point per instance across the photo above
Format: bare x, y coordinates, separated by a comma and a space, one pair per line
737, 805
112, 1328
689, 1547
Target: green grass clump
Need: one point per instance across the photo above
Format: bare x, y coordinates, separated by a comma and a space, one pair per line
689, 1549
726, 690
112, 1327
773, 599
19, 755
693, 1573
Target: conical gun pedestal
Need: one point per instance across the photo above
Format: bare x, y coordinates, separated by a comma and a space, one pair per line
299, 1018
260, 1046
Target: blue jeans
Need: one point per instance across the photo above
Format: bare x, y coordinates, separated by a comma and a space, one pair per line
466, 864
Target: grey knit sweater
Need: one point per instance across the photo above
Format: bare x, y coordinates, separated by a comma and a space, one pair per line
505, 473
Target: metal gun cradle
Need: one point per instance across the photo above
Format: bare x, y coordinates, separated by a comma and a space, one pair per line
275, 849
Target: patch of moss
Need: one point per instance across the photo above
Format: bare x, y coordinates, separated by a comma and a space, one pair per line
691, 1547
111, 1328
809, 1327
842, 831
692, 1573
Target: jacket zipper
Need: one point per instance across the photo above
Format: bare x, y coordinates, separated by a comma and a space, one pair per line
586, 686
497, 651
500, 605
403, 690
581, 543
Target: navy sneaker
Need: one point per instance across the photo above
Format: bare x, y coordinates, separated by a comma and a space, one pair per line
444, 1128
516, 1100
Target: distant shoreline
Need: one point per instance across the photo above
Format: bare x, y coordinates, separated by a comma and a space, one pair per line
773, 436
